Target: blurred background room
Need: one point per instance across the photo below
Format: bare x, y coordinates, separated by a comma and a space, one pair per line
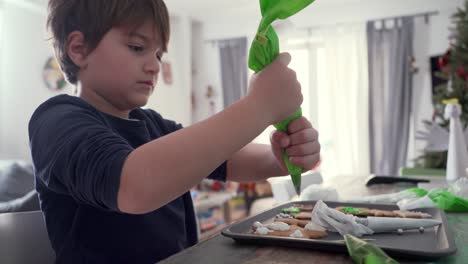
367, 69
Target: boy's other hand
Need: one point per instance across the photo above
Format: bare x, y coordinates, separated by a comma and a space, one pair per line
301, 145
275, 90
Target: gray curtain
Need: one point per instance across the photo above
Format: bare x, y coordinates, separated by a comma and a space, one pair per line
390, 91
233, 54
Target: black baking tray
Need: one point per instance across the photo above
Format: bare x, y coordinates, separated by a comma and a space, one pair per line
432, 244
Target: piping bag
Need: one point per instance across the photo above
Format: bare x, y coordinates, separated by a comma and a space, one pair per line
265, 49
362, 252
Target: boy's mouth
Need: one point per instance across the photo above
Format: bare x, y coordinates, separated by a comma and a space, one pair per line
149, 83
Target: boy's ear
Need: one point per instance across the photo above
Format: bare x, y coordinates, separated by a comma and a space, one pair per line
77, 49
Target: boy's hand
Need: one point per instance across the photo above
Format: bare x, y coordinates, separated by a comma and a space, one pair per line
275, 90
301, 145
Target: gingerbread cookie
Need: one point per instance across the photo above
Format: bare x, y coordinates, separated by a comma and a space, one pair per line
308, 234
286, 233
303, 216
381, 213
291, 210
292, 231
354, 211
410, 214
289, 221
314, 231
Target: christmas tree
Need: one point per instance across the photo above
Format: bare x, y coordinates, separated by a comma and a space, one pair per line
452, 66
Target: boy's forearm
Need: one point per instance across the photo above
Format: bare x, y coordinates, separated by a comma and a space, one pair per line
163, 169
254, 162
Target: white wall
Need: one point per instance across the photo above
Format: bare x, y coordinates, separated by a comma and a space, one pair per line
173, 101
206, 72
24, 51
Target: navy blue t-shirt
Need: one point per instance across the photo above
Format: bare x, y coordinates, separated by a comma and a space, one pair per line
78, 154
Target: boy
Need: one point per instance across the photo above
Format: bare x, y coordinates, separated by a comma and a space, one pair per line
114, 179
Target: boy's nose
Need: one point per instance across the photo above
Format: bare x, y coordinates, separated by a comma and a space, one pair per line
152, 66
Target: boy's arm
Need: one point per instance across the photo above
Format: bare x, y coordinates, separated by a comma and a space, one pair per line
161, 170
158, 172
254, 162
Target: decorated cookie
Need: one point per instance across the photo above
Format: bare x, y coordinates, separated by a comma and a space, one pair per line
314, 227
312, 230
303, 216
354, 211
382, 213
286, 233
278, 226
293, 231
298, 222
314, 234
283, 215
291, 210
262, 231
297, 234
410, 214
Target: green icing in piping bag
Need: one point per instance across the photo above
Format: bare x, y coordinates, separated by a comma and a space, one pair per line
362, 252
265, 49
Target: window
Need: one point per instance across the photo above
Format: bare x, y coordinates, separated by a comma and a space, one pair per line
332, 68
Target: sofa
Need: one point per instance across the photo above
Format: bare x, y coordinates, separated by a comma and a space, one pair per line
17, 191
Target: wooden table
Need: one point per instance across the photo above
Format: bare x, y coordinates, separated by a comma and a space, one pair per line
220, 249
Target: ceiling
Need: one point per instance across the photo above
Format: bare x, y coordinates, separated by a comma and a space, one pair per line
233, 11
222, 4
216, 9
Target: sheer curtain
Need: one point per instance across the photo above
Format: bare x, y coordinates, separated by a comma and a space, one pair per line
331, 64
342, 100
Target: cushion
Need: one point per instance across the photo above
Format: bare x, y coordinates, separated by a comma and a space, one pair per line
16, 179
29, 202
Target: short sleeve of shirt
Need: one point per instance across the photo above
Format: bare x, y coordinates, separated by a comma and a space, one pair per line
75, 152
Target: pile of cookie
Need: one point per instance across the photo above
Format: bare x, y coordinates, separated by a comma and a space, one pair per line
282, 229
364, 212
296, 222
292, 222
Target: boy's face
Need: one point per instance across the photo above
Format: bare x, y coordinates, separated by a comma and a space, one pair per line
121, 73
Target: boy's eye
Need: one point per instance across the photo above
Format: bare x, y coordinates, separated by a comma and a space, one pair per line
135, 48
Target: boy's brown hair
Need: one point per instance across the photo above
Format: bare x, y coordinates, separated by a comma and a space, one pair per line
94, 18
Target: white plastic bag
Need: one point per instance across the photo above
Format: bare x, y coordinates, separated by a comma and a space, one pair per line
317, 192
410, 204
460, 188
390, 198
336, 221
